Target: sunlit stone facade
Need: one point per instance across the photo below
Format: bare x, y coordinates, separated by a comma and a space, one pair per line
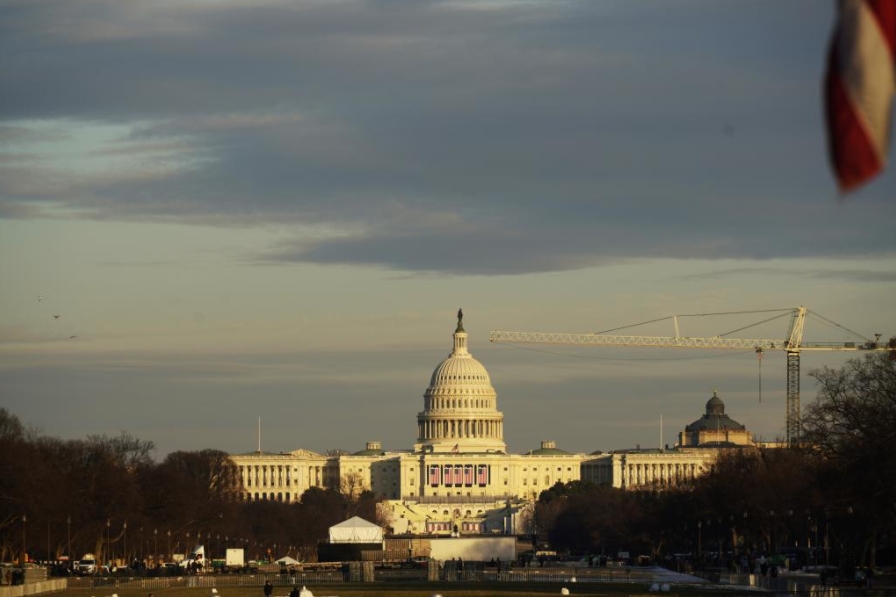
633, 469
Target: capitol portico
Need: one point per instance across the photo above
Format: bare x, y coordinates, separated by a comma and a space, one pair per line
458, 476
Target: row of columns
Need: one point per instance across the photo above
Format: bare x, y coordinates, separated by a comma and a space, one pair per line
265, 475
643, 474
446, 403
278, 475
459, 428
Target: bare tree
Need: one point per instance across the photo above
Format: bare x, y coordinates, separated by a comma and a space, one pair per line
852, 423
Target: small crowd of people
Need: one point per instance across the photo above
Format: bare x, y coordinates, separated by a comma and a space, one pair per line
14, 576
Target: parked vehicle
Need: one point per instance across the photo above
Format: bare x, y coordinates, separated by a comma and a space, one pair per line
196, 561
87, 565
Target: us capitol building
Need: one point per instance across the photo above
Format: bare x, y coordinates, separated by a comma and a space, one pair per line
459, 478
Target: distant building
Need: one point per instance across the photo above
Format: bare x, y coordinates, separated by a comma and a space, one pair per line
697, 449
458, 478
715, 428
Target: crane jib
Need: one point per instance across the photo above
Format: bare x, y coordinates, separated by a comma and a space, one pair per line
792, 344
677, 342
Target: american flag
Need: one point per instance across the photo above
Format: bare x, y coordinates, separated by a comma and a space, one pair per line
434, 475
468, 475
482, 475
859, 88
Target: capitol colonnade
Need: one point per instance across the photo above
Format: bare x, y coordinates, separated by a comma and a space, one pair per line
459, 428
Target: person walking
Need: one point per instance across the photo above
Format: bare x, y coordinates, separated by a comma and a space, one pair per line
268, 588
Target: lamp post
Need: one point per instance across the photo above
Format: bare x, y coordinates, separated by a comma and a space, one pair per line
68, 522
721, 533
168, 557
125, 535
827, 546
789, 524
699, 538
108, 557
851, 526
24, 538
808, 530
155, 547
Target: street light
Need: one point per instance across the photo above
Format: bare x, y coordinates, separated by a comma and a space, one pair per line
827, 546
24, 538
68, 521
155, 547
108, 557
719, 532
699, 538
168, 557
789, 524
125, 558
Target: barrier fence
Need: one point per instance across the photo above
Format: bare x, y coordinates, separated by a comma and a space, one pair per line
33, 588
366, 572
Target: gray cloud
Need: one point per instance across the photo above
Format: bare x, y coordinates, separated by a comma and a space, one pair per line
846, 275
519, 136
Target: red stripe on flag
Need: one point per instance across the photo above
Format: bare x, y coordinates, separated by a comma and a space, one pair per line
885, 13
852, 156
859, 88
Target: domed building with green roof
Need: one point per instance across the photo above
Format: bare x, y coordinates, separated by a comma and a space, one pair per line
715, 428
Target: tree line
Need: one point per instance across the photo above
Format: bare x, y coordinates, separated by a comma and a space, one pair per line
106, 496
831, 500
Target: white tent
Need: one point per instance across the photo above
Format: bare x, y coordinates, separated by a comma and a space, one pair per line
356, 530
287, 561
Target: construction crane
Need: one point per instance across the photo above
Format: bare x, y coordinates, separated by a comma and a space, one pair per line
792, 344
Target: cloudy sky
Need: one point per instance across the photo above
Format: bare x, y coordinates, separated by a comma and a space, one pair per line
275, 208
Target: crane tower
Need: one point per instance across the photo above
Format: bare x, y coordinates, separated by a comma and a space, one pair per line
792, 343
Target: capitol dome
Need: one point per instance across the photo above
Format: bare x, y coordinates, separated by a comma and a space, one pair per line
460, 369
460, 405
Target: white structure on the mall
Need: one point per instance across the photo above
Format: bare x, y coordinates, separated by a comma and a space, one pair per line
458, 478
356, 530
